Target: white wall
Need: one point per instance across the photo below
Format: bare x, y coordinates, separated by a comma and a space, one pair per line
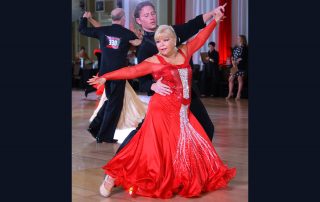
239, 19
162, 12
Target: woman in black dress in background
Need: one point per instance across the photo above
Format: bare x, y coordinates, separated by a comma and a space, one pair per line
239, 59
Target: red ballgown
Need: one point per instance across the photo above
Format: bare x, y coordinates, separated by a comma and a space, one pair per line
171, 152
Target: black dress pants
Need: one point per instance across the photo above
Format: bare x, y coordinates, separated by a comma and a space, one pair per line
105, 123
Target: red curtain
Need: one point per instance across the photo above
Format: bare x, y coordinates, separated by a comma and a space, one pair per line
224, 36
180, 11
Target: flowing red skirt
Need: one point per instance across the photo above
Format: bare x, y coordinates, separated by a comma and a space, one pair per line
169, 155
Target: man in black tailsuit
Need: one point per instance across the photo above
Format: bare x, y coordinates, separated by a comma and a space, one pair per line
145, 15
114, 44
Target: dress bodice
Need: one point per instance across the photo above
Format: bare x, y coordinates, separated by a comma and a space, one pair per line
177, 77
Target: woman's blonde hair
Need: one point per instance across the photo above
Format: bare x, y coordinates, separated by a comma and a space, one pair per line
165, 30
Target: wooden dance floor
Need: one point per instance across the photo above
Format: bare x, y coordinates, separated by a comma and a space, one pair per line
230, 119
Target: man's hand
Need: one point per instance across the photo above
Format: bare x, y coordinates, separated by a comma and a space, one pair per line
85, 15
89, 15
96, 80
135, 42
161, 88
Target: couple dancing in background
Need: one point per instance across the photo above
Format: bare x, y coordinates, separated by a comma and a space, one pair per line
171, 152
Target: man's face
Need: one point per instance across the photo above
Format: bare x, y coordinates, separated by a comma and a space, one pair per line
211, 48
148, 18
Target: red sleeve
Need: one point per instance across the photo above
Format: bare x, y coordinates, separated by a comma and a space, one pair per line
197, 42
132, 72
99, 89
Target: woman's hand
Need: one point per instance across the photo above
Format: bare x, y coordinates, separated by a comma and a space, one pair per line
138, 33
219, 8
219, 12
234, 63
97, 80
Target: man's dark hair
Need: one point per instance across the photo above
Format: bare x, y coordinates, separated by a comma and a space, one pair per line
212, 44
82, 48
140, 6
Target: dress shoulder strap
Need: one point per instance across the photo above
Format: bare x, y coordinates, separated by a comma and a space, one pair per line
161, 59
182, 53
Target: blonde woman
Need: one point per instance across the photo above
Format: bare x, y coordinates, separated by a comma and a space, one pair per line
171, 152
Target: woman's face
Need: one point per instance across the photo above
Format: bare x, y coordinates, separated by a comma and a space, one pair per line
166, 44
239, 39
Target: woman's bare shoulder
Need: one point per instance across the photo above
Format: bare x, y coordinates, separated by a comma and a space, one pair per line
183, 48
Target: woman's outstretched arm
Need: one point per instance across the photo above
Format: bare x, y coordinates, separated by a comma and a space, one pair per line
126, 73
197, 42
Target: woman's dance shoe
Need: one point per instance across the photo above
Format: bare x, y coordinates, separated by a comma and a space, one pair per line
110, 183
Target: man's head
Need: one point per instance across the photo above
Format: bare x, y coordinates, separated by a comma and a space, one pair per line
82, 49
146, 16
212, 45
118, 16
